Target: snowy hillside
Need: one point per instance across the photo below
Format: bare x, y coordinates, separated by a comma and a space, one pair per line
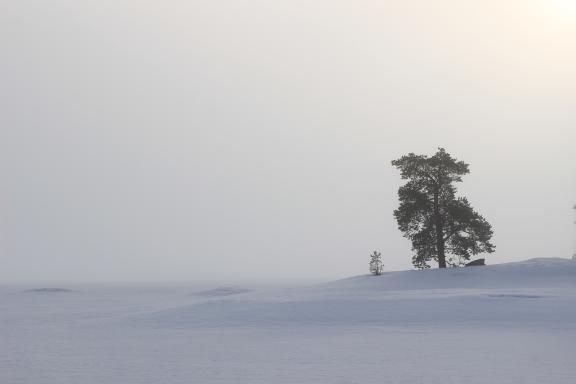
526, 293
507, 323
534, 273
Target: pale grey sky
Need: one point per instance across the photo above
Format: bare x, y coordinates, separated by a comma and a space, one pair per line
239, 139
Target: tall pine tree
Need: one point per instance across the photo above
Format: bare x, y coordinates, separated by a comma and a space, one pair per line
440, 225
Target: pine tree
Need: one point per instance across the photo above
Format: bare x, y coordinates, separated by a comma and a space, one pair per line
376, 265
440, 225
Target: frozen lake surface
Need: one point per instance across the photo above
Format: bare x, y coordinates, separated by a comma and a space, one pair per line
507, 323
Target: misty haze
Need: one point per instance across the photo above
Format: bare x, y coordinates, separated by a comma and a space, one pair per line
248, 191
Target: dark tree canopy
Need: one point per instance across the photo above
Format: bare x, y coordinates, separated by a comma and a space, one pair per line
441, 226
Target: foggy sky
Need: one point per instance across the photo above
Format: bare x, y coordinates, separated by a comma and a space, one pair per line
238, 139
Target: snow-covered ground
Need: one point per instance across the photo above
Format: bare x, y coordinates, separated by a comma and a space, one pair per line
507, 323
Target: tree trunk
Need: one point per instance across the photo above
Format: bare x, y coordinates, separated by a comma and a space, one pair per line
439, 231
441, 255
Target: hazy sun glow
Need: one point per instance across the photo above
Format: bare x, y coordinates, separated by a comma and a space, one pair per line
565, 5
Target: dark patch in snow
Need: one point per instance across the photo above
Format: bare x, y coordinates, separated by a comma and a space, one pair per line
514, 296
222, 291
49, 290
